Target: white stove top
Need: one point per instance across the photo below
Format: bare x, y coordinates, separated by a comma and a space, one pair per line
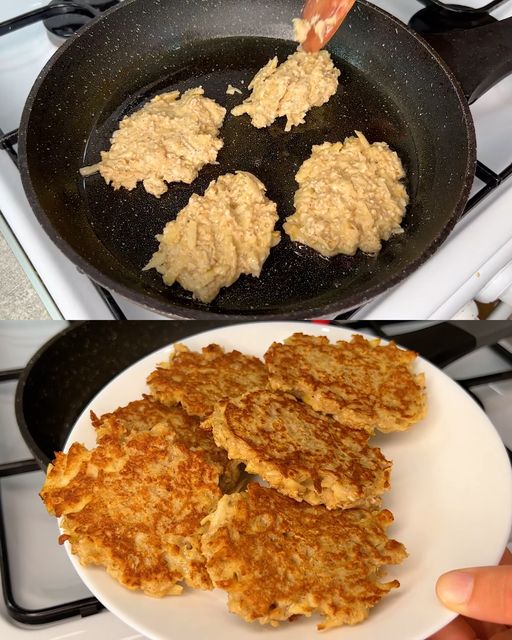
41, 572
479, 248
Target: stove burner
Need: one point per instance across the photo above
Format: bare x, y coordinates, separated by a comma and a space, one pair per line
69, 21
439, 17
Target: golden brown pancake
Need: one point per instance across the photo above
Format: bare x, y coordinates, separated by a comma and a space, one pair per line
135, 506
278, 558
361, 383
299, 452
144, 414
197, 380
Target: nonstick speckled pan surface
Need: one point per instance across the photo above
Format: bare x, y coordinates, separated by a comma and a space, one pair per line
393, 88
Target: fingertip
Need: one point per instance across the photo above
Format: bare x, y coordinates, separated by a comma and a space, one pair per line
454, 588
482, 593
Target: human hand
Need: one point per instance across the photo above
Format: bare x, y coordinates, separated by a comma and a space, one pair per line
483, 597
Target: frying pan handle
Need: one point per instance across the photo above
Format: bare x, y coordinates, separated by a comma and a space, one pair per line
445, 342
479, 57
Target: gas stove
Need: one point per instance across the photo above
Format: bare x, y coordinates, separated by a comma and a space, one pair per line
474, 264
43, 598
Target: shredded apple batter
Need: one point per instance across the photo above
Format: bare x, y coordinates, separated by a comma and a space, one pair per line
169, 140
350, 197
217, 237
303, 81
302, 27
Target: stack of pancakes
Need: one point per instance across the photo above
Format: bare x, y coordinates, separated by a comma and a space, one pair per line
167, 498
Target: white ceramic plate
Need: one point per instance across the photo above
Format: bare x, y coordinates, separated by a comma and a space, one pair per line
451, 497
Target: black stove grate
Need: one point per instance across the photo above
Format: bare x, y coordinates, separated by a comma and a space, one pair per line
61, 17
490, 179
84, 607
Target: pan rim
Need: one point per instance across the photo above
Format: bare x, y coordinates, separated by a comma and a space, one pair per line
169, 308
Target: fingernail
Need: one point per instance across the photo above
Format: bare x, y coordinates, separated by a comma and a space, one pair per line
455, 587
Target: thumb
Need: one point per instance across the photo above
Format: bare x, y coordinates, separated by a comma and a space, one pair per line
483, 593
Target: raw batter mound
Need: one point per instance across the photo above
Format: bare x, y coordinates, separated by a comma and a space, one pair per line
350, 197
218, 237
305, 80
169, 140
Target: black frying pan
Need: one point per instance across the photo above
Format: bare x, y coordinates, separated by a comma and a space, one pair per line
69, 370
393, 87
